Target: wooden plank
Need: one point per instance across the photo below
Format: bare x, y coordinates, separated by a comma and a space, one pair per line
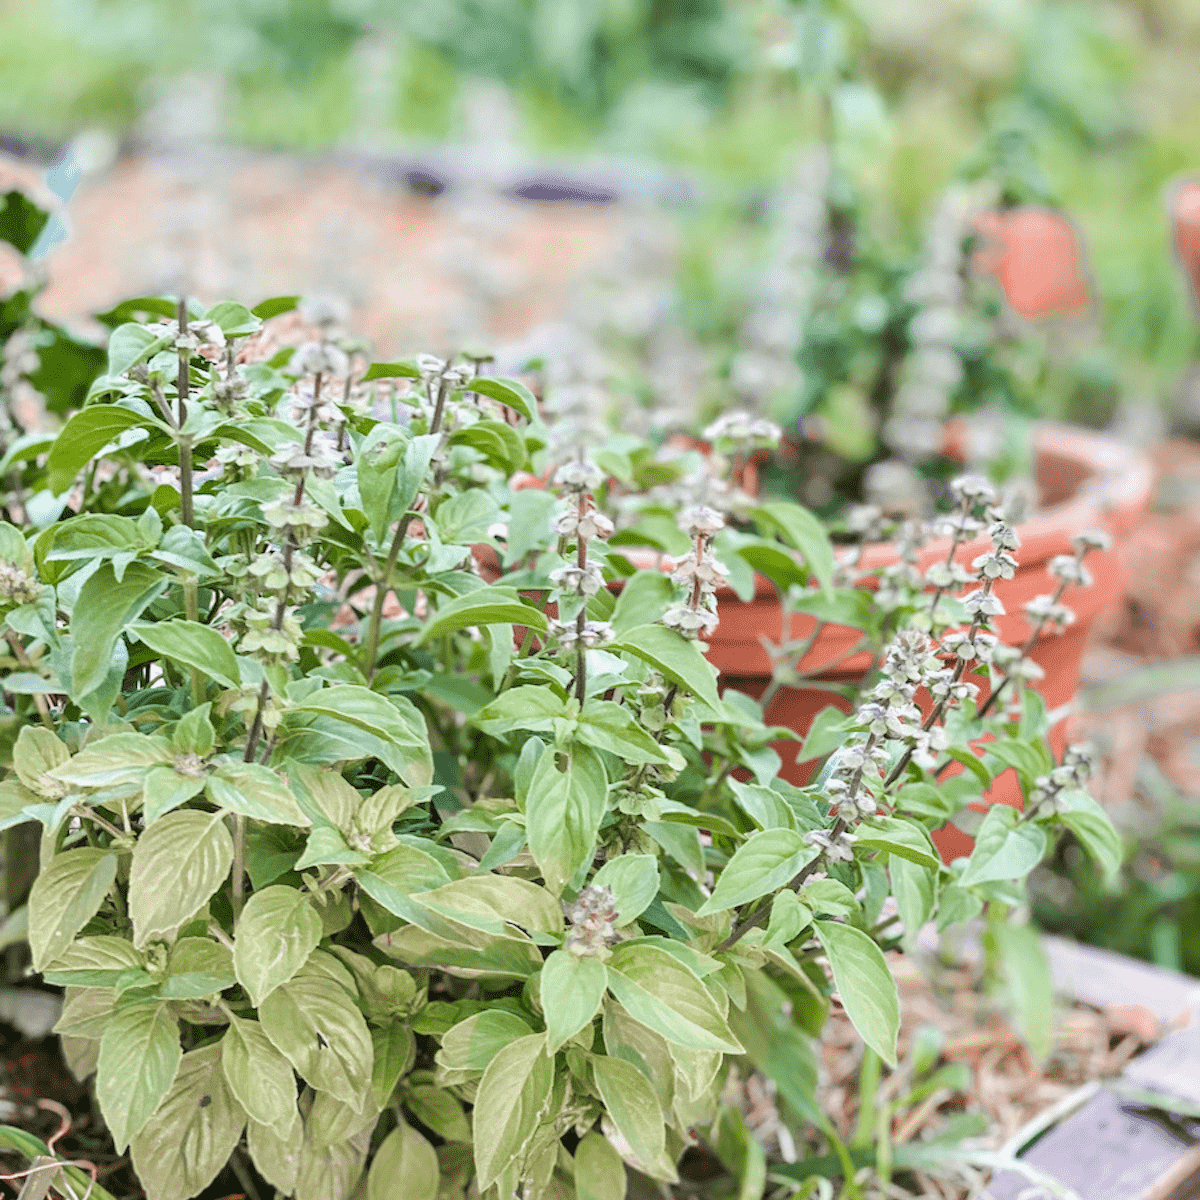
1109, 1150
1106, 980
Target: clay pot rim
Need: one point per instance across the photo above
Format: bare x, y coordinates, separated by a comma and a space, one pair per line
1118, 485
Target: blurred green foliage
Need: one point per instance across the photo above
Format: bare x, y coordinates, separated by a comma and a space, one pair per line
1152, 911
1089, 104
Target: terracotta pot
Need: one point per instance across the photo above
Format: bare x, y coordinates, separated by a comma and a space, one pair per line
1185, 214
1038, 257
1086, 480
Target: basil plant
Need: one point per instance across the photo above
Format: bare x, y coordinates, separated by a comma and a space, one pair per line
396, 837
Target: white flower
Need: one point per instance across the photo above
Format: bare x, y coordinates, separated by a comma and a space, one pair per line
701, 521
319, 358
578, 581
577, 476
973, 488
1091, 539
1070, 570
997, 565
691, 622
981, 603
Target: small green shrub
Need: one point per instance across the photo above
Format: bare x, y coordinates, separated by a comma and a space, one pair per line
356, 856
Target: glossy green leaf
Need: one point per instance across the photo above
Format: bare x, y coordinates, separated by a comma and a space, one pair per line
510, 392
1005, 848
83, 437
677, 658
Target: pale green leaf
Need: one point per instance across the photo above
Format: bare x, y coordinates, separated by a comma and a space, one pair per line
599, 1172
257, 1074
571, 988
866, 986
901, 839
763, 863
563, 811
193, 645
484, 606
633, 879
65, 897
277, 931
509, 1105
1005, 848
139, 1055
664, 995
187, 1141
178, 863
276, 1152
405, 1168
255, 791
634, 1110
676, 657
315, 1025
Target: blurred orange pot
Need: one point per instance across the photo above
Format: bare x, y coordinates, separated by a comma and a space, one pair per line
1038, 257
1185, 213
1086, 480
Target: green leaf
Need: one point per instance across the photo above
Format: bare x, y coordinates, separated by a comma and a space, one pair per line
37, 753
510, 392
394, 720
193, 645
65, 897
677, 658
485, 606
643, 598
437, 1109
189, 1139
606, 725
139, 1055
277, 931
315, 1025
665, 996
274, 307
571, 988
1027, 759
117, 758
563, 812
21, 220
1005, 848
528, 708
903, 839
866, 986
763, 805
764, 863
255, 791
1096, 833
496, 903
234, 319
405, 1168
466, 517
414, 466
914, 890
501, 445
470, 1045
131, 343
1026, 981
634, 882
83, 437
512, 1095
404, 369
197, 967
393, 1048
636, 1113
799, 528
257, 1074
102, 611
178, 863
276, 1152
93, 962
599, 1172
